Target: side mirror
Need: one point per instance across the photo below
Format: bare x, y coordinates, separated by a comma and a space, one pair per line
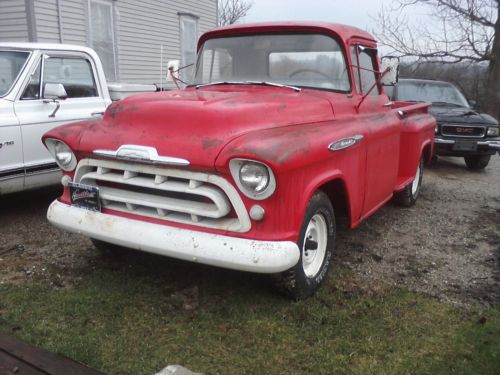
54, 91
173, 70
390, 70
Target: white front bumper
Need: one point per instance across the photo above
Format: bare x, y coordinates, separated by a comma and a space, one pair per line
213, 249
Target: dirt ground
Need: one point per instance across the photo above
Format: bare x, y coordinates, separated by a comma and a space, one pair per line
447, 246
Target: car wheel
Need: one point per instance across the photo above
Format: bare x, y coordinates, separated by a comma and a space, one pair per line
106, 248
316, 243
477, 161
408, 196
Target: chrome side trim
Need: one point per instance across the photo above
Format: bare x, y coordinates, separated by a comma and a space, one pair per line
344, 143
141, 154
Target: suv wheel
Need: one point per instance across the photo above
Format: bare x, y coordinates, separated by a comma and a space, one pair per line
477, 161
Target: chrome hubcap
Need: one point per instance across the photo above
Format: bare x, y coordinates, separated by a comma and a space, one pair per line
314, 246
414, 185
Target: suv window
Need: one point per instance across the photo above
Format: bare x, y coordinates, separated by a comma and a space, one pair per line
74, 73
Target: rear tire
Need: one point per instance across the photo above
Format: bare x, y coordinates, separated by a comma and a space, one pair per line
408, 196
477, 162
316, 243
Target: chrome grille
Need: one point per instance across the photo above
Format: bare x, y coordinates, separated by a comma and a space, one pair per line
466, 131
187, 197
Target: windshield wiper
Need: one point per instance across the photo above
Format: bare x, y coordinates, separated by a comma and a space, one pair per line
263, 83
274, 84
221, 83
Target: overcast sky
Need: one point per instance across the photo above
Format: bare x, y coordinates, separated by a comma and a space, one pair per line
351, 12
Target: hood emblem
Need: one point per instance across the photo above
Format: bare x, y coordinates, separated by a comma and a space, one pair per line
141, 154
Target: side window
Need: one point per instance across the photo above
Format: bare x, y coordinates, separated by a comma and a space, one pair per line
74, 73
102, 36
189, 37
32, 91
363, 61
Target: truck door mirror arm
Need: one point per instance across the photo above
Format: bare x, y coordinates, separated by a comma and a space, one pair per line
52, 93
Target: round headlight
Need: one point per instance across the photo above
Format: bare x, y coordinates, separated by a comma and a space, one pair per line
255, 179
65, 158
254, 176
63, 154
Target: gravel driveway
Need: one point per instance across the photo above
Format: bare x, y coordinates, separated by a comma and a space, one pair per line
448, 245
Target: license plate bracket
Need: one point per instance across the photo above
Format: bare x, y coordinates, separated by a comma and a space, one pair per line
85, 196
465, 146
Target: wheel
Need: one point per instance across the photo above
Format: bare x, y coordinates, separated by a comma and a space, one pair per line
477, 161
316, 243
106, 248
408, 196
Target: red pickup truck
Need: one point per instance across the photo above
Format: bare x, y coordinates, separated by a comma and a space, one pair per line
285, 128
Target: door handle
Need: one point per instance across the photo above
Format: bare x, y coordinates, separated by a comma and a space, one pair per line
95, 114
389, 104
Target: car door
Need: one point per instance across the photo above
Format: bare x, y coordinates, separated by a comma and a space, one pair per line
11, 150
36, 114
383, 129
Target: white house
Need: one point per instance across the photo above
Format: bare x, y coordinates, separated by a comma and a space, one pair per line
128, 35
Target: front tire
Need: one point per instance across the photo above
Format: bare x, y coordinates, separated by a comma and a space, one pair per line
316, 242
477, 162
408, 196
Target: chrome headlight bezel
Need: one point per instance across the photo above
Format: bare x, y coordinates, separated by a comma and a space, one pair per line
493, 132
63, 155
237, 167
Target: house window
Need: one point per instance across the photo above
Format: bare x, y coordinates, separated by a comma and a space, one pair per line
189, 37
102, 36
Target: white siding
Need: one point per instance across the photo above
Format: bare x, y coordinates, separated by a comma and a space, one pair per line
74, 21
47, 22
13, 24
143, 27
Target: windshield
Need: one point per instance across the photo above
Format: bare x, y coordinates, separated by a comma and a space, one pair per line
435, 92
304, 60
11, 63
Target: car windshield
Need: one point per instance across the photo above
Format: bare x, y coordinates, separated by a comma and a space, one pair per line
304, 60
439, 93
11, 63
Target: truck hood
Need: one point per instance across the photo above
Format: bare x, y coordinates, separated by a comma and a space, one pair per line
196, 124
460, 115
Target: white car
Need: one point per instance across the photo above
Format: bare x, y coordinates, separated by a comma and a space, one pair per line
43, 86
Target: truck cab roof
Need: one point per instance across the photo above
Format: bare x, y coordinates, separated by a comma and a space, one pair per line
344, 32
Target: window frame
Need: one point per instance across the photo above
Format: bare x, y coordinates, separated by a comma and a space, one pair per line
64, 55
344, 49
357, 68
111, 6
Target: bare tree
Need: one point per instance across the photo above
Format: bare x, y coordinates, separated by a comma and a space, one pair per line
230, 11
459, 31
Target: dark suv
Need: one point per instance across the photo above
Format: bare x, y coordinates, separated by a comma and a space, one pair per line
460, 130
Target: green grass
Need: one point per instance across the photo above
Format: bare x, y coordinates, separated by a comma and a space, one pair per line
133, 320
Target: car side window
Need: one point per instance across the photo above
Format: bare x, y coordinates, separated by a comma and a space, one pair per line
74, 73
364, 69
